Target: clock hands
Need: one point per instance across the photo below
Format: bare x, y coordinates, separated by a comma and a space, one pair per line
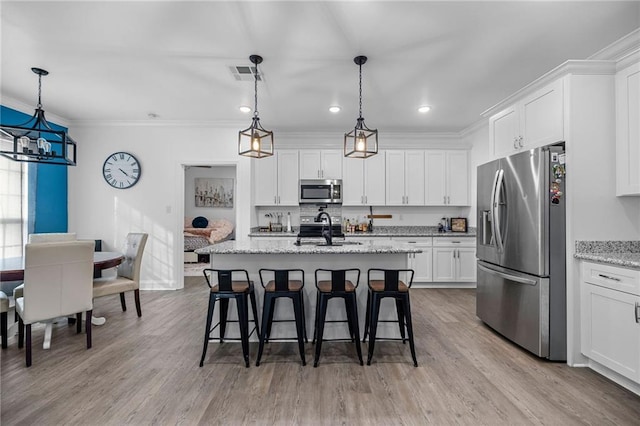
123, 172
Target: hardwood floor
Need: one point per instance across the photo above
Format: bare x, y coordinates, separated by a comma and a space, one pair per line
145, 371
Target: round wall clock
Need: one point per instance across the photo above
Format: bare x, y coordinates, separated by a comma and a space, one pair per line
121, 170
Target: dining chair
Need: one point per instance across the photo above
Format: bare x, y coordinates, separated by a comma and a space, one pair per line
4, 309
57, 283
128, 273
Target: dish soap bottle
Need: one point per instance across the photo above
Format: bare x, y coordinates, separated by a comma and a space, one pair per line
289, 222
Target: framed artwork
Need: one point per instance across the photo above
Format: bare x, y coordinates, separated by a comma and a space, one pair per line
458, 224
214, 192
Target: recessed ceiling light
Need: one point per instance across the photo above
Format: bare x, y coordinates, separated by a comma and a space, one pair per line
152, 115
424, 108
334, 109
244, 109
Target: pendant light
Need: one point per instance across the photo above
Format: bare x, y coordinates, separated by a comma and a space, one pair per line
361, 142
255, 141
35, 141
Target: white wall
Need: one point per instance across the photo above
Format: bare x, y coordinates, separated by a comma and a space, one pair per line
212, 213
478, 139
156, 203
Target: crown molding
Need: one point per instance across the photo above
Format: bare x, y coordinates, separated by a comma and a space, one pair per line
25, 108
620, 48
156, 123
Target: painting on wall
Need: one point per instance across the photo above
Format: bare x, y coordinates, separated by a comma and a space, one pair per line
214, 192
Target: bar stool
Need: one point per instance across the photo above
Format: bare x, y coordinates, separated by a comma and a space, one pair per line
240, 289
281, 285
337, 286
386, 283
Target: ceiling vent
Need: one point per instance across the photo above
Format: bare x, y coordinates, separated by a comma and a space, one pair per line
245, 73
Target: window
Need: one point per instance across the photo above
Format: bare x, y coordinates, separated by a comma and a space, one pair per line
13, 207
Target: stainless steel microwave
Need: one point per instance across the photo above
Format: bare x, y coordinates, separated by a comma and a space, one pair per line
320, 191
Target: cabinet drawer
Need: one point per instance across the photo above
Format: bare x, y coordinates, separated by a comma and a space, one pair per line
454, 241
621, 279
423, 241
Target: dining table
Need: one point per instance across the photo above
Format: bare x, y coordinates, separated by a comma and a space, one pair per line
12, 269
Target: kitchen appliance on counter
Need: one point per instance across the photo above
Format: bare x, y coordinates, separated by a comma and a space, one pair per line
521, 290
320, 191
311, 227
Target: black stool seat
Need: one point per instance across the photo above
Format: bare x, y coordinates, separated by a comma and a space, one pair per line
337, 286
225, 288
387, 283
287, 283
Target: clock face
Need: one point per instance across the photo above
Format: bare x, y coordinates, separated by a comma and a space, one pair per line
121, 170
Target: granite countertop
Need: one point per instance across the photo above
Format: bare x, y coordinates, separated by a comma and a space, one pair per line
288, 247
383, 231
617, 253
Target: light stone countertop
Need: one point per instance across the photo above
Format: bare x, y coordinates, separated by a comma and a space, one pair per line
288, 247
384, 231
625, 254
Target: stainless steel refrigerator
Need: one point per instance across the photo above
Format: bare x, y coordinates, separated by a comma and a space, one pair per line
521, 289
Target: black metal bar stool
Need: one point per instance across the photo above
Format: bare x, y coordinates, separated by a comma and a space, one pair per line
337, 285
279, 283
386, 283
226, 287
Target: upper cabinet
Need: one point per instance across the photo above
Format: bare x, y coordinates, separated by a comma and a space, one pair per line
405, 178
536, 120
276, 179
321, 164
363, 181
628, 131
447, 178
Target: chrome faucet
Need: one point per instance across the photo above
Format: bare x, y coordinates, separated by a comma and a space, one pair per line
328, 235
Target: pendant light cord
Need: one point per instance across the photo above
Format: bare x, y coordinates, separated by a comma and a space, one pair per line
255, 91
360, 90
39, 91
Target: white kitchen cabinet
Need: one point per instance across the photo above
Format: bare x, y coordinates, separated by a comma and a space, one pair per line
628, 131
610, 324
405, 178
320, 164
363, 181
536, 120
454, 259
421, 263
447, 178
276, 179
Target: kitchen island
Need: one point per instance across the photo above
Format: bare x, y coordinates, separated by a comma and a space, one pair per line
254, 255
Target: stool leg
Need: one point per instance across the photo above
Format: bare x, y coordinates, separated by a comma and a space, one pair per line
243, 322
297, 308
304, 317
272, 308
348, 309
266, 314
224, 310
367, 316
375, 310
207, 330
320, 318
407, 312
254, 309
400, 311
352, 306
3, 327
315, 327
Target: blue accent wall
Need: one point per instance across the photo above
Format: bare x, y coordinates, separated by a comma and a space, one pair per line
47, 186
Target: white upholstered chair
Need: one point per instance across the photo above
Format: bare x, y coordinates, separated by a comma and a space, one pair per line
57, 282
128, 273
4, 309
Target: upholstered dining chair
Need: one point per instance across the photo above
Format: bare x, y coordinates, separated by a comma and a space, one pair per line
57, 282
4, 309
128, 273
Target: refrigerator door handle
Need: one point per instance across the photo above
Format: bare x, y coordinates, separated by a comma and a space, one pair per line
495, 206
509, 277
492, 210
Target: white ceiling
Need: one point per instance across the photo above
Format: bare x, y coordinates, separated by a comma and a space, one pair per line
120, 61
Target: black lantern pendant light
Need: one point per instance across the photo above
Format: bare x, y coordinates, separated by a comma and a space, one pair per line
35, 141
255, 141
361, 142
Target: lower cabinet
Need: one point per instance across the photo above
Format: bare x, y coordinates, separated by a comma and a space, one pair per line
454, 259
610, 324
421, 263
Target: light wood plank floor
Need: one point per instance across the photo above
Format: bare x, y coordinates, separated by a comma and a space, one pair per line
145, 371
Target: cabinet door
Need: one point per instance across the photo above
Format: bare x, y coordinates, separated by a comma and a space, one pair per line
287, 178
466, 264
414, 178
610, 333
504, 132
444, 264
628, 131
331, 164
353, 181
423, 264
374, 180
265, 181
541, 117
310, 164
435, 164
395, 178
457, 181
